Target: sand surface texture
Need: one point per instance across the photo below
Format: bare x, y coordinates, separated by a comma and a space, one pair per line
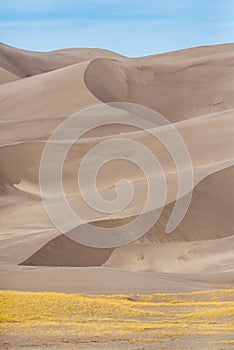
194, 90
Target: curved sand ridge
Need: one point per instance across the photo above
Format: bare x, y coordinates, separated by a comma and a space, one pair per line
24, 63
178, 88
180, 85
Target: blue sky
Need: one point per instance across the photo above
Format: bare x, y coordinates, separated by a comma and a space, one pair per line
130, 27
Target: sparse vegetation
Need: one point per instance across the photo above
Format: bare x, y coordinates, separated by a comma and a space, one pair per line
77, 318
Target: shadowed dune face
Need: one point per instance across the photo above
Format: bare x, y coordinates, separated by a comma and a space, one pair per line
211, 203
40, 90
62, 251
177, 89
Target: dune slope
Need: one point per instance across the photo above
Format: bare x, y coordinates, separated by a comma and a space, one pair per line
211, 203
178, 89
25, 63
192, 88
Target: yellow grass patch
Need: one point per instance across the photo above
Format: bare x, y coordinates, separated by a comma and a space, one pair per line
131, 317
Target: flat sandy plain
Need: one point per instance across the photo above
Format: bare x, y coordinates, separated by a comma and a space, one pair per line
193, 89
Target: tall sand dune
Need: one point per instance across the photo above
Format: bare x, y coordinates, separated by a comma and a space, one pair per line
193, 89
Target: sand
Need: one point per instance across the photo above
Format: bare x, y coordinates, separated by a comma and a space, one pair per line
193, 89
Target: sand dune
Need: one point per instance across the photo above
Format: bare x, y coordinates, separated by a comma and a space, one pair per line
178, 89
187, 86
25, 63
214, 223
193, 88
6, 76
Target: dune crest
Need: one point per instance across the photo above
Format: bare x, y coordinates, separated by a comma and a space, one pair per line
24, 63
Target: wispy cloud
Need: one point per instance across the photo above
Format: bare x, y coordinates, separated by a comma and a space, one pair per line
131, 27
